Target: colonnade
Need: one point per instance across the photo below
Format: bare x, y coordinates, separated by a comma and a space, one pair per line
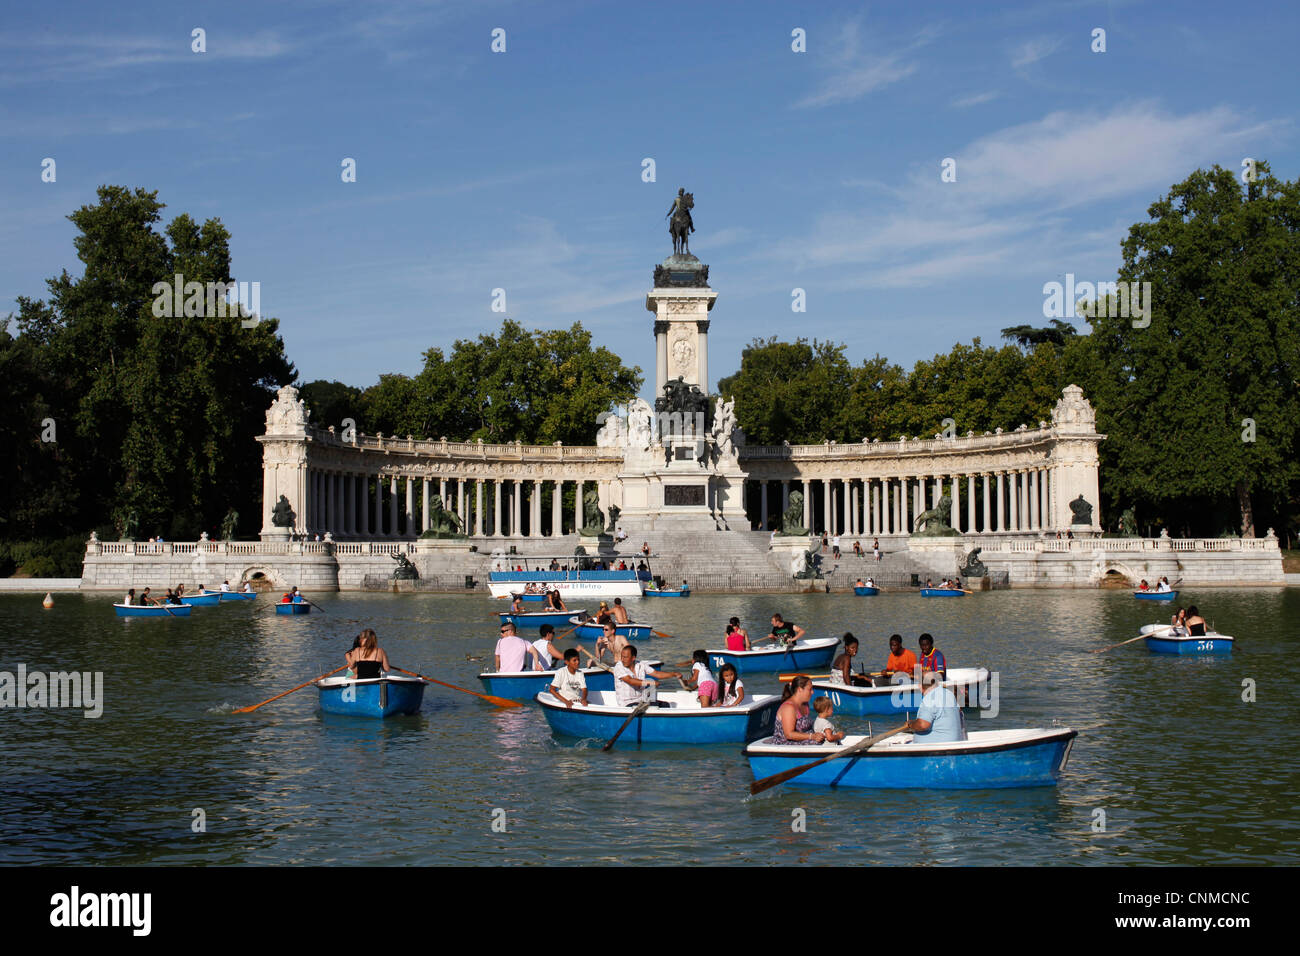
1005, 500
369, 505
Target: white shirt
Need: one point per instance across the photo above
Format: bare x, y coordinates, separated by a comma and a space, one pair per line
823, 726
570, 685
625, 693
732, 696
702, 673
548, 662
247, 587
225, 586
835, 541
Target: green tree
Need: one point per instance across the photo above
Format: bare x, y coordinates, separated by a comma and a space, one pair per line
155, 414
790, 391
331, 402
1219, 362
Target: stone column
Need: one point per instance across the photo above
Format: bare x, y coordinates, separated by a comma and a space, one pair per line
971, 527
1015, 500
875, 509
807, 504
516, 524
463, 493
785, 496
577, 506
496, 507
557, 516
363, 516
851, 506
1002, 524
1048, 513
410, 507
379, 506
827, 505
478, 507
762, 485
661, 362
955, 503
536, 509
393, 528
424, 498
1034, 514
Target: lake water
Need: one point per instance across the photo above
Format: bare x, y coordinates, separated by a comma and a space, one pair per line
1184, 771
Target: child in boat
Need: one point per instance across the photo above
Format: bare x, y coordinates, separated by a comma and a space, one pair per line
823, 724
731, 690
701, 680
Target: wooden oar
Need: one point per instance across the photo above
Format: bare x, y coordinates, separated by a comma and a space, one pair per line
786, 678
660, 634
313, 604
163, 605
599, 662
1167, 627
758, 786
637, 711
245, 710
499, 701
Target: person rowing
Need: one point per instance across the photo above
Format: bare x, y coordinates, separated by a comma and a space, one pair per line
367, 659
511, 650
785, 631
555, 601
610, 640
620, 612
634, 680
517, 604
939, 719
546, 649
901, 663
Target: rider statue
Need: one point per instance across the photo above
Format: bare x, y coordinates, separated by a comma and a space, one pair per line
680, 225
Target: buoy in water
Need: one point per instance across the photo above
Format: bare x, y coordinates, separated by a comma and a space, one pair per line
48, 602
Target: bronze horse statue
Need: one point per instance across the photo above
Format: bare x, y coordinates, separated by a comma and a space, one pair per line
681, 226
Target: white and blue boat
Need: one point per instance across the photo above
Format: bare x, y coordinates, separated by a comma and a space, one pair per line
590, 631
293, 607
526, 685
678, 718
387, 696
204, 598
1155, 595
807, 656
529, 598
943, 592
851, 701
535, 619
988, 759
1165, 640
865, 590
233, 595
152, 610
535, 569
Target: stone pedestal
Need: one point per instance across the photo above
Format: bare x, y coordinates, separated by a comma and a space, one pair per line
941, 556
790, 551
442, 546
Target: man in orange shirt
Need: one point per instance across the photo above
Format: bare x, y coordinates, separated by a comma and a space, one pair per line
901, 663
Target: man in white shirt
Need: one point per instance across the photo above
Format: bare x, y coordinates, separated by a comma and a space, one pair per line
225, 585
549, 654
632, 678
568, 684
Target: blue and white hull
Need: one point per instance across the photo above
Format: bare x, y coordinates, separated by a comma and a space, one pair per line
526, 685
865, 590
633, 632
1155, 595
534, 619
387, 696
989, 759
152, 610
1169, 643
682, 721
808, 656
849, 701
942, 592
301, 607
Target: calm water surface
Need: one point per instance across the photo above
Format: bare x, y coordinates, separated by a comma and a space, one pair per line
1183, 769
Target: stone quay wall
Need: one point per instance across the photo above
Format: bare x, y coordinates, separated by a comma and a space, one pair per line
732, 561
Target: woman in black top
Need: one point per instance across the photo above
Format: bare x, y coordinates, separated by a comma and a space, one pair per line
368, 659
1195, 623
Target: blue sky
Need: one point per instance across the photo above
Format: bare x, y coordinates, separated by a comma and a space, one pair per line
522, 170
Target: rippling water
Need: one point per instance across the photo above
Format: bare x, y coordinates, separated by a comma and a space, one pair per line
1183, 769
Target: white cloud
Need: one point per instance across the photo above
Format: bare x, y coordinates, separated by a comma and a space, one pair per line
855, 74
976, 99
1031, 51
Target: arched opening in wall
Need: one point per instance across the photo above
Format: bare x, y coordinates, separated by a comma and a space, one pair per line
1114, 578
259, 579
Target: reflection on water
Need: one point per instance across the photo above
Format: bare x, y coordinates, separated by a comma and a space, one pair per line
1171, 761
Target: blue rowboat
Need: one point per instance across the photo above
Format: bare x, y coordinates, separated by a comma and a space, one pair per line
865, 590
942, 592
293, 608
1165, 641
386, 696
668, 592
233, 595
850, 701
809, 656
988, 759
589, 632
682, 721
152, 610
530, 598
1155, 595
204, 598
535, 619
526, 685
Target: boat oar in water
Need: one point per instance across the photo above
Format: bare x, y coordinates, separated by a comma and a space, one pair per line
640, 709
1159, 630
499, 701
786, 678
245, 710
758, 786
661, 634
